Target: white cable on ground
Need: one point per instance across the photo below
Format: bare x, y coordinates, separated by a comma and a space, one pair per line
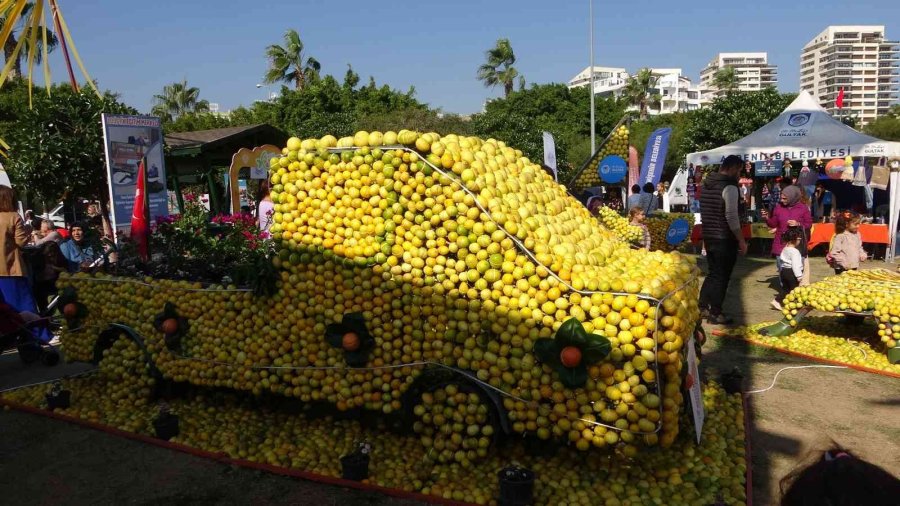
775, 379
39, 383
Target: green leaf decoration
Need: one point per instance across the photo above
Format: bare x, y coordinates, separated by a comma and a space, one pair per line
573, 377
596, 348
571, 333
547, 351
893, 355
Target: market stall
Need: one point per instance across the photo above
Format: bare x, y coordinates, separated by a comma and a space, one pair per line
805, 131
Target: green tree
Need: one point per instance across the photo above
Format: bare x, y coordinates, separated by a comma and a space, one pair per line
289, 64
725, 80
9, 46
520, 119
56, 148
886, 127
640, 131
194, 121
498, 69
638, 92
731, 117
176, 100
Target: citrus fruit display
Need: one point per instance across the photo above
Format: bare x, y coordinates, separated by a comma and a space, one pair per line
588, 176
874, 292
440, 252
712, 472
832, 338
620, 225
658, 224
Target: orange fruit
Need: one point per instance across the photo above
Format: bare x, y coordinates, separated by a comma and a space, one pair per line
70, 310
570, 356
350, 341
169, 326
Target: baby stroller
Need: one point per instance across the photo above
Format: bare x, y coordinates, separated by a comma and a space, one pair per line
21, 331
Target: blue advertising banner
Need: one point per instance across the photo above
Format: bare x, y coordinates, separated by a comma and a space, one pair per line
766, 168
678, 231
128, 139
655, 156
612, 169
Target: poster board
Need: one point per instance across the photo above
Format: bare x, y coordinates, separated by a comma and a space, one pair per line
127, 139
694, 389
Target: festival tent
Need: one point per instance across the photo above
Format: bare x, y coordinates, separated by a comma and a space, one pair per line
805, 131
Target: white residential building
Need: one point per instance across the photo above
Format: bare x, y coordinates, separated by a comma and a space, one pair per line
677, 93
752, 70
607, 80
676, 90
858, 59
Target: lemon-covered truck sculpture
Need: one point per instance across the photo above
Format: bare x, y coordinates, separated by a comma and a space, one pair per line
405, 257
861, 294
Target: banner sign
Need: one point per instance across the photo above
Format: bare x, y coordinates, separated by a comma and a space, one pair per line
678, 231
550, 153
127, 140
766, 168
692, 381
655, 157
612, 169
797, 124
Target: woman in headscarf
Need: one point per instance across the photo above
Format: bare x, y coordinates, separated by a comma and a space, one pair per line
790, 212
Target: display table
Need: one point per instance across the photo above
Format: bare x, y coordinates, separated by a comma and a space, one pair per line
868, 232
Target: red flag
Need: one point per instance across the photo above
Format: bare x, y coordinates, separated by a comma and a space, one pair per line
839, 101
140, 221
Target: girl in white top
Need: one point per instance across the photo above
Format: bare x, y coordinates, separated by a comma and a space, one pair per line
791, 261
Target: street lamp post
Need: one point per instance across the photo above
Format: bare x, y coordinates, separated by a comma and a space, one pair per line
591, 20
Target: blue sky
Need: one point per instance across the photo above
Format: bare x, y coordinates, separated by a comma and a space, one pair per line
136, 48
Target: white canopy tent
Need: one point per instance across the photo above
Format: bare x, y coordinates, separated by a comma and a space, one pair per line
805, 131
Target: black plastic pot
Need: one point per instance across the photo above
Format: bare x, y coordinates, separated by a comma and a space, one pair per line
733, 382
59, 401
166, 426
355, 467
516, 487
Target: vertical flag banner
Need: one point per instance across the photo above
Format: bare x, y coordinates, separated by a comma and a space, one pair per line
128, 140
839, 101
655, 156
140, 221
550, 153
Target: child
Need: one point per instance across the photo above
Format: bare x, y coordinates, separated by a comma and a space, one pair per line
791, 261
846, 247
636, 214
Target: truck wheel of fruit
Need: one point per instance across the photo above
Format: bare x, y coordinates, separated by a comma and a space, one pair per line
396, 256
857, 295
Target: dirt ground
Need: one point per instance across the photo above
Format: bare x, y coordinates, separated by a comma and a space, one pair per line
43, 461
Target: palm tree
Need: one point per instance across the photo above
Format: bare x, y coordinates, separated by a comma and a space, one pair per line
639, 92
499, 69
725, 79
9, 47
289, 64
178, 99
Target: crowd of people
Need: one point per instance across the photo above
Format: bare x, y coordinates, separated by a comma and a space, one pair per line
35, 253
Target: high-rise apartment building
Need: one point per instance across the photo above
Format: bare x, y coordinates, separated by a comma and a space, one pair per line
858, 59
607, 80
752, 71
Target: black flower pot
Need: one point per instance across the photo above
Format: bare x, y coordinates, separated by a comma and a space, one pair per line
166, 426
60, 400
516, 487
733, 382
355, 467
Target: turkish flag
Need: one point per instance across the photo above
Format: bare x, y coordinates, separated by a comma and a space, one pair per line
839, 101
140, 219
